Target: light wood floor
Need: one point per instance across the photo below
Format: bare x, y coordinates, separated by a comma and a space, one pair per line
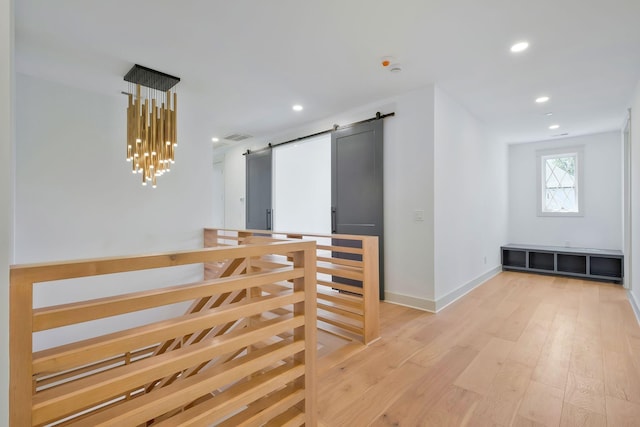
520, 350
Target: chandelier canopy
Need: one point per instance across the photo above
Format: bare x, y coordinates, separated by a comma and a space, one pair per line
152, 135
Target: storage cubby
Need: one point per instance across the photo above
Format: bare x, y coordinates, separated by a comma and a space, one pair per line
514, 258
605, 266
572, 263
596, 264
541, 261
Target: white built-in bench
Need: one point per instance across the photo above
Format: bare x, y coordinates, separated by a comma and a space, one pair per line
586, 263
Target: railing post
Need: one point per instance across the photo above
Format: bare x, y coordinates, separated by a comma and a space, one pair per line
242, 235
308, 333
210, 237
20, 351
210, 240
370, 289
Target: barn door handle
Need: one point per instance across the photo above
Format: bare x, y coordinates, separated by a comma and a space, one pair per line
269, 218
333, 220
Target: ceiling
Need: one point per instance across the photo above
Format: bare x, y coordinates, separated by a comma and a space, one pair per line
244, 63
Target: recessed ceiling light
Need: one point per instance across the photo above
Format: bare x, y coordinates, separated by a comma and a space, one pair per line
519, 47
549, 113
554, 126
297, 107
214, 139
542, 99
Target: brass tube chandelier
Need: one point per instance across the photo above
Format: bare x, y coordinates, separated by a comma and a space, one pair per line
152, 113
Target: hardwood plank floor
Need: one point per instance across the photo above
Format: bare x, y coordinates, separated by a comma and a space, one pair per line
519, 350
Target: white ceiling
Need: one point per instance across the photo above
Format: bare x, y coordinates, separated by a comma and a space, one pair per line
246, 62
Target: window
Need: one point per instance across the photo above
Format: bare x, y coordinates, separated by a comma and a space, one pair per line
559, 180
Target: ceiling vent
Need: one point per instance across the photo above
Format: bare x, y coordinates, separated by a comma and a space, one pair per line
237, 137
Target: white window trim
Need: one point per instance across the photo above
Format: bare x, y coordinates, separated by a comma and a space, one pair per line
540, 194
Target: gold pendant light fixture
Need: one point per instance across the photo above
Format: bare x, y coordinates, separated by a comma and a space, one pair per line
152, 135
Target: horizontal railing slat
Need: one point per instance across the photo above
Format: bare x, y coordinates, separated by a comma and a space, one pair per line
267, 265
274, 288
341, 324
35, 273
234, 398
342, 287
341, 249
341, 261
340, 311
340, 272
355, 304
66, 399
260, 412
83, 352
292, 417
94, 367
139, 410
68, 314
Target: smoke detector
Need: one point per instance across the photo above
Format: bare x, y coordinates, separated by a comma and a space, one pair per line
395, 68
385, 61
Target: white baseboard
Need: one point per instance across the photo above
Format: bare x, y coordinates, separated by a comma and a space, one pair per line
466, 288
635, 305
434, 306
410, 301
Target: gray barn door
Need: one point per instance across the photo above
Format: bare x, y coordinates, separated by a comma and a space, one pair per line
356, 186
259, 212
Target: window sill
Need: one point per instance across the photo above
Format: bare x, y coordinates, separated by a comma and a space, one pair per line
561, 214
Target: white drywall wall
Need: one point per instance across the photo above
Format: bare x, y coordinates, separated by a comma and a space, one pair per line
302, 186
7, 86
408, 185
601, 224
470, 197
635, 201
77, 198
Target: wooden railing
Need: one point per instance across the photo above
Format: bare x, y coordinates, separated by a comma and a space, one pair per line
347, 269
248, 361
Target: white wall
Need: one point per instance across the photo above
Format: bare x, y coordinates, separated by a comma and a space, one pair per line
76, 195
302, 186
235, 185
6, 192
438, 159
601, 225
217, 219
408, 186
470, 200
77, 198
635, 202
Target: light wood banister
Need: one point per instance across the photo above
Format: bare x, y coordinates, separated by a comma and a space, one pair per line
83, 393
371, 296
239, 395
20, 348
67, 314
74, 354
35, 273
248, 334
341, 259
139, 410
261, 411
